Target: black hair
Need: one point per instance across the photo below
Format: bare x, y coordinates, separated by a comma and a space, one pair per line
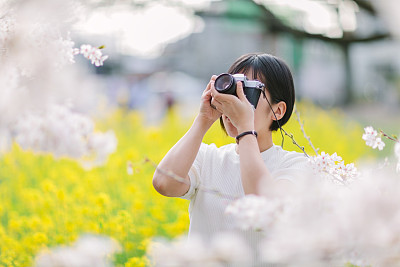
276, 76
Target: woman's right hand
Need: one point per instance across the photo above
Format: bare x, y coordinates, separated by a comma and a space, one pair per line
181, 156
208, 113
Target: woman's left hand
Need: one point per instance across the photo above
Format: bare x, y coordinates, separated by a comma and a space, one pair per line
238, 109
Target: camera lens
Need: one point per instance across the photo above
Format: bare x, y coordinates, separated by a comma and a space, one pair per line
225, 83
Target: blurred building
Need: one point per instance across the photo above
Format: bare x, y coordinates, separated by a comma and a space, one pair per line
328, 70
347, 63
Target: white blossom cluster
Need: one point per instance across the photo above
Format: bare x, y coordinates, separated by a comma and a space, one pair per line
62, 132
25, 45
94, 54
65, 47
225, 249
325, 225
339, 224
331, 225
255, 212
7, 24
372, 138
397, 153
334, 166
37, 74
88, 250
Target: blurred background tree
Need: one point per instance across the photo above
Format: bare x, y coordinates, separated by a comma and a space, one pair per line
343, 52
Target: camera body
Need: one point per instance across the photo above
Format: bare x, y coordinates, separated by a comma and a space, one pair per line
226, 84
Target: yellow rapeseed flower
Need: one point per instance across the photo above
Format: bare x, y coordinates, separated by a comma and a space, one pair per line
49, 202
137, 262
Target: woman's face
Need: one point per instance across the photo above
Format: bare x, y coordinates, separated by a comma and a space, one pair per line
262, 115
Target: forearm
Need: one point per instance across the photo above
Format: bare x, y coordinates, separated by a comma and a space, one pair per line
179, 160
252, 166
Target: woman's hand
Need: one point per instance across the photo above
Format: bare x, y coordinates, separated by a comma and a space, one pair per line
207, 112
238, 109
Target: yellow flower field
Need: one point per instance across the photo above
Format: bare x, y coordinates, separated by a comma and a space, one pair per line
46, 202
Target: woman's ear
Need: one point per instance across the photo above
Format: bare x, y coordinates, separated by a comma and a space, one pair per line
280, 110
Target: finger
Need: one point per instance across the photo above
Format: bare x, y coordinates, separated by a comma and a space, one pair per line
214, 92
240, 91
207, 94
220, 96
211, 83
216, 105
208, 87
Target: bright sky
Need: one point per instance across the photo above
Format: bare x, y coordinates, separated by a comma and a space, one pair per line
143, 32
146, 31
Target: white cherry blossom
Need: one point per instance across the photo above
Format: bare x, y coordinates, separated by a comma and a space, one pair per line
372, 138
334, 166
397, 153
254, 212
94, 54
37, 75
60, 131
224, 249
88, 250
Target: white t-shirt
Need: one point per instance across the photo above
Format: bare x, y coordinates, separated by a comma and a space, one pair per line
219, 169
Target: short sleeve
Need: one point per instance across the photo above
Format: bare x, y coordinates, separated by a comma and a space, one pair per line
195, 173
294, 167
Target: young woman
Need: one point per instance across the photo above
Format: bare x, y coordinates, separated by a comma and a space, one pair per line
239, 168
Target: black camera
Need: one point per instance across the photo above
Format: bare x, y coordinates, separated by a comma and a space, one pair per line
226, 84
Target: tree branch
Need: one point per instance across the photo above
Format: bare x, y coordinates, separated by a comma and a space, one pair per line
276, 25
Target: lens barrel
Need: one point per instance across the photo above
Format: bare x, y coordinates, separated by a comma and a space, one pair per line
225, 84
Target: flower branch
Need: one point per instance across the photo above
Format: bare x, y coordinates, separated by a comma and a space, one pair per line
295, 143
373, 139
301, 123
94, 54
390, 137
